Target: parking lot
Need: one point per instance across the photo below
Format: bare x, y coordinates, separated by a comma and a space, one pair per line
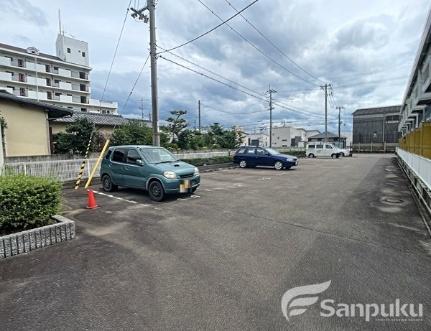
223, 257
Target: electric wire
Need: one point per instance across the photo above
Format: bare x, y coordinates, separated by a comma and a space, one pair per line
255, 47
211, 30
274, 45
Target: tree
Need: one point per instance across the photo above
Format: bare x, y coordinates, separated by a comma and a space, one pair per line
75, 139
132, 133
176, 124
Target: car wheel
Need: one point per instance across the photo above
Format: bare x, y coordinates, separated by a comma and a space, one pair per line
278, 165
311, 155
333, 156
342, 154
107, 184
243, 164
156, 191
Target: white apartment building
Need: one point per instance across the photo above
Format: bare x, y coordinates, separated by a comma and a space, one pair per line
62, 80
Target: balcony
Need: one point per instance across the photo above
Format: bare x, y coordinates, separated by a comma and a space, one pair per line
103, 104
5, 76
5, 61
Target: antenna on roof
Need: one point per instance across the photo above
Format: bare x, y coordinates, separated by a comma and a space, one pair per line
59, 21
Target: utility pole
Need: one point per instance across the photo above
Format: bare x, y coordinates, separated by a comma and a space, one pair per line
325, 88
339, 122
142, 110
1, 148
199, 115
139, 15
270, 113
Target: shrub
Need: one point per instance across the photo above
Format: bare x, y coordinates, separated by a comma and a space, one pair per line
208, 161
27, 202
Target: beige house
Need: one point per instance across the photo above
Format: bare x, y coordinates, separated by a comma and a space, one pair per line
28, 131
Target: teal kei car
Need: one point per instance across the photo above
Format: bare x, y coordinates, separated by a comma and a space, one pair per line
148, 167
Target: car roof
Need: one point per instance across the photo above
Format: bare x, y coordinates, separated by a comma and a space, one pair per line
135, 146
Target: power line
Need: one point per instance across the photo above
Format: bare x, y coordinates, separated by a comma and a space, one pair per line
233, 87
274, 45
211, 30
255, 47
116, 50
210, 71
136, 82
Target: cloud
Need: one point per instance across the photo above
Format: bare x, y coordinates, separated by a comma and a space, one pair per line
359, 47
24, 10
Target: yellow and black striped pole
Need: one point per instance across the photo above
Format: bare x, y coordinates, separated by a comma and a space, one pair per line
81, 170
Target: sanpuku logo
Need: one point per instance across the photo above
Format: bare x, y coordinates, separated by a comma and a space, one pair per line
296, 300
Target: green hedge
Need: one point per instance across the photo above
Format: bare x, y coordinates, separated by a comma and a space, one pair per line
27, 202
208, 161
293, 153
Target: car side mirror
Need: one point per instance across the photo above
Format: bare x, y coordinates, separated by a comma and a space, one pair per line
139, 162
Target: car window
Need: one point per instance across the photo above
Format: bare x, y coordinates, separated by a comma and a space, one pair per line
132, 156
328, 146
240, 151
311, 146
119, 155
108, 155
251, 151
157, 155
260, 151
319, 146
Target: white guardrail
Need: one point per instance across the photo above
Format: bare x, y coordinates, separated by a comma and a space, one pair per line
66, 170
421, 166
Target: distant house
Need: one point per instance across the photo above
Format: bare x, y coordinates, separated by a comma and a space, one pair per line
28, 131
105, 123
331, 138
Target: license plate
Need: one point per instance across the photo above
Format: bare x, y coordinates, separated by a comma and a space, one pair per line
185, 185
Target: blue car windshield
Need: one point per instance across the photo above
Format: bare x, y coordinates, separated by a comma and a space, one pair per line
157, 155
272, 151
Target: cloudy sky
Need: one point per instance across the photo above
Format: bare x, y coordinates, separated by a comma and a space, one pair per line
364, 48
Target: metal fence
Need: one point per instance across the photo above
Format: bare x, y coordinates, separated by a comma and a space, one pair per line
420, 165
66, 170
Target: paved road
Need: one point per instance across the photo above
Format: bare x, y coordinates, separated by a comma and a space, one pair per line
223, 259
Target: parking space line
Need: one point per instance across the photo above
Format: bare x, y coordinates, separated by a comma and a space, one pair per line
118, 198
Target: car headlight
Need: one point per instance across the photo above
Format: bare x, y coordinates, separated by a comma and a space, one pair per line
196, 172
170, 174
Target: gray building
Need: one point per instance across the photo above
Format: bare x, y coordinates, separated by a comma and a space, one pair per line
417, 97
376, 129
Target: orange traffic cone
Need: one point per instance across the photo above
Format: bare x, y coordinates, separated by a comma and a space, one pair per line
91, 200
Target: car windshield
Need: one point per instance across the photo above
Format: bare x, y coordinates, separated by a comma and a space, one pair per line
272, 151
157, 155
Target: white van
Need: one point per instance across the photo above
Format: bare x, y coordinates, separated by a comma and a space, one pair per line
321, 149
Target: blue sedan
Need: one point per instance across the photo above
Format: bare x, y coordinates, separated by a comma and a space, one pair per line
250, 156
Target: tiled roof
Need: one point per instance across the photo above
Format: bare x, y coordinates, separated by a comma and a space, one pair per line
96, 118
53, 111
322, 135
377, 110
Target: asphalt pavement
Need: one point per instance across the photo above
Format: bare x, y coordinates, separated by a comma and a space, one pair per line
223, 258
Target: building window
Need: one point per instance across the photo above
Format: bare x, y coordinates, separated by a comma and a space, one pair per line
69, 107
20, 63
48, 82
83, 99
84, 110
49, 95
57, 94
47, 68
82, 75
21, 77
22, 92
82, 87
83, 54
56, 70
68, 49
